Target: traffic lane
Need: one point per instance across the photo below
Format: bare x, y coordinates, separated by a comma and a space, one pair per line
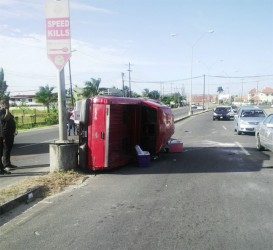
224, 148
182, 111
34, 141
182, 201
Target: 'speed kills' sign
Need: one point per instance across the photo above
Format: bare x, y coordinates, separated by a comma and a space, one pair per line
58, 32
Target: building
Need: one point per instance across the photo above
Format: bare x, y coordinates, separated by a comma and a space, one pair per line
264, 96
28, 100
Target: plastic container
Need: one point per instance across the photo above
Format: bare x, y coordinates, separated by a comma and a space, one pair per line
144, 160
175, 146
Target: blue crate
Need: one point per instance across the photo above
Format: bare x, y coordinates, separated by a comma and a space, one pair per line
144, 160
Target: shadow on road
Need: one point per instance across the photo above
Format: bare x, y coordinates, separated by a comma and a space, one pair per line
30, 149
203, 160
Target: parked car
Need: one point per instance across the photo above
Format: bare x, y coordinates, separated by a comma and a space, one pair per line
193, 106
222, 113
247, 119
264, 134
200, 107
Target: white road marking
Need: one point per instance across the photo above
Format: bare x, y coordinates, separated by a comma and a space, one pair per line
242, 148
224, 128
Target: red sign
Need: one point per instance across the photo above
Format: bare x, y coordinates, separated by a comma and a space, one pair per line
58, 32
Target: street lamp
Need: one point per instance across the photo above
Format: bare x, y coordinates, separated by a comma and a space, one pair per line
192, 46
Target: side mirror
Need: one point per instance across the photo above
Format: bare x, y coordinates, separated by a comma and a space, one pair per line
269, 125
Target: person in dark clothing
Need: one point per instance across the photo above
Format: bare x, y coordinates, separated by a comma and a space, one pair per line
8, 131
70, 121
2, 140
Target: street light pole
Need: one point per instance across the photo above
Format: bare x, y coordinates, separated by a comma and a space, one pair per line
70, 79
193, 45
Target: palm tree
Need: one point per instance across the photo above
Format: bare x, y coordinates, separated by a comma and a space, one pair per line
145, 93
219, 91
46, 96
91, 88
3, 86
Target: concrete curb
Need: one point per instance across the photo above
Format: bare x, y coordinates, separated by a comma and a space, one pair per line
27, 197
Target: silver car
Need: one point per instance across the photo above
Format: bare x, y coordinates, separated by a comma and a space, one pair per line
248, 119
264, 134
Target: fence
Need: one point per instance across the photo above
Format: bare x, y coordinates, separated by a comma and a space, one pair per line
32, 118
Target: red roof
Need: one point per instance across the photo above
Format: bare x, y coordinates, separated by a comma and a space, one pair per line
267, 90
253, 91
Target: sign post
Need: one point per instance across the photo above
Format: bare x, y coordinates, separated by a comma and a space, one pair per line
59, 51
63, 153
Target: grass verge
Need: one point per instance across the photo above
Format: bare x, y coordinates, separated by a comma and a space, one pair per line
49, 184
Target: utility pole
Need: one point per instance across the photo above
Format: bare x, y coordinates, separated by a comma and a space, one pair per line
129, 79
257, 92
122, 76
204, 91
242, 91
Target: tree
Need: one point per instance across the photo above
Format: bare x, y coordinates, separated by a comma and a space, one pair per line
219, 91
154, 95
46, 96
145, 93
3, 86
91, 88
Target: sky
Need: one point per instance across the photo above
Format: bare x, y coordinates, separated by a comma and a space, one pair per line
171, 45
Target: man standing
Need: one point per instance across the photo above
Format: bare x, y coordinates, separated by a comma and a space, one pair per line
2, 139
8, 125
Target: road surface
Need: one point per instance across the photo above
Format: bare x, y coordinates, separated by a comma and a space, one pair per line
217, 194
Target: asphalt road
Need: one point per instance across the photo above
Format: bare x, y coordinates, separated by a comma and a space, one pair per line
217, 194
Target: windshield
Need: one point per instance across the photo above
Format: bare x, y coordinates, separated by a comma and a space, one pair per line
221, 109
252, 113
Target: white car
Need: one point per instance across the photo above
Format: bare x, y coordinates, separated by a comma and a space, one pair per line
193, 106
200, 107
264, 134
247, 119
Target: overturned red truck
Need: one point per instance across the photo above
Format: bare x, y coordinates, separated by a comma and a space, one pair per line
110, 127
